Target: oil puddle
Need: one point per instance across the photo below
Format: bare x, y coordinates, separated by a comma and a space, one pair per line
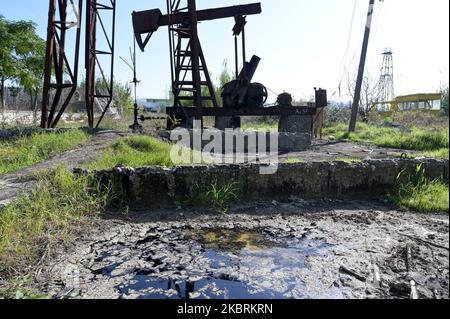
231, 240
242, 265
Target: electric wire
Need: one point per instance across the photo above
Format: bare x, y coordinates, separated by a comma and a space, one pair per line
345, 57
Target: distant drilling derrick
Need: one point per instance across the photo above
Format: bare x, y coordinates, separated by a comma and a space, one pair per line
386, 92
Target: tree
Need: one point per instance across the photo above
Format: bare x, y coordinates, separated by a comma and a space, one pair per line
224, 77
122, 94
7, 66
22, 56
369, 95
444, 102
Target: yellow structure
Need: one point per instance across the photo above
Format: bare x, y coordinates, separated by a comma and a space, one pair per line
430, 103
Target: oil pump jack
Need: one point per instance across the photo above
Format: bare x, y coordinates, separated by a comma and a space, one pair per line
191, 82
189, 72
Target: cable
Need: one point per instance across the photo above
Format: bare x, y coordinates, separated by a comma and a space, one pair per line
377, 22
345, 57
273, 92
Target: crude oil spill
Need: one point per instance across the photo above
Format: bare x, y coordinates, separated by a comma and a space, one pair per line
243, 265
231, 240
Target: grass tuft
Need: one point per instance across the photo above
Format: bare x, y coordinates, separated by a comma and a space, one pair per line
418, 193
217, 195
29, 150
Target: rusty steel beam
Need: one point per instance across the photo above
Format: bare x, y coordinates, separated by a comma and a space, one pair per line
150, 21
195, 51
228, 112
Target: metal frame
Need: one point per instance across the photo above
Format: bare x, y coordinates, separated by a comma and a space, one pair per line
95, 10
227, 112
60, 74
186, 56
386, 90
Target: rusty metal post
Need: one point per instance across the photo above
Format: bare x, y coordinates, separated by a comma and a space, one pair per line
59, 62
48, 63
195, 43
94, 26
91, 43
236, 56
244, 53
66, 74
74, 74
111, 43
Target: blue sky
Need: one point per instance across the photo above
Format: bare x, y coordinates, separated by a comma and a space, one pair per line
302, 43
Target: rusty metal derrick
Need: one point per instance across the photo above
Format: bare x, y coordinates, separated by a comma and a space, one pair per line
61, 71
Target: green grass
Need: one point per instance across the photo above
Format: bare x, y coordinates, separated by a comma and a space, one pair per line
58, 208
251, 126
58, 203
434, 141
349, 160
440, 153
421, 194
218, 196
21, 287
25, 151
137, 151
430, 197
293, 160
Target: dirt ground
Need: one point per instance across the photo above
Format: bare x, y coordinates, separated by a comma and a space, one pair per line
323, 150
297, 249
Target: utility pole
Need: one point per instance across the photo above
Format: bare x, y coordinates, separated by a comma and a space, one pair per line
362, 64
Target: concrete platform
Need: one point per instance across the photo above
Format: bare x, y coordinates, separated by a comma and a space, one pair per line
243, 141
157, 186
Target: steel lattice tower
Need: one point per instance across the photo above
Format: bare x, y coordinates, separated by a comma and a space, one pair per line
61, 68
386, 92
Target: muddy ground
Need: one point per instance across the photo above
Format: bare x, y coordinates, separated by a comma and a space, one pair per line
297, 249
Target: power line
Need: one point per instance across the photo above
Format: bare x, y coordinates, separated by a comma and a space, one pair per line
345, 57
